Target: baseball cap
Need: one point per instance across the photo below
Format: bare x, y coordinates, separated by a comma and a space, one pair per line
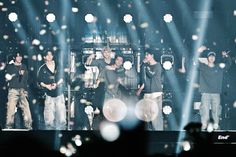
211, 54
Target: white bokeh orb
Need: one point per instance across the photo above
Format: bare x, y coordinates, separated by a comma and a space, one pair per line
146, 110
109, 131
114, 110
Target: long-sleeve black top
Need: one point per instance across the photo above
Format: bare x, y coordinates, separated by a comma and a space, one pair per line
48, 77
18, 81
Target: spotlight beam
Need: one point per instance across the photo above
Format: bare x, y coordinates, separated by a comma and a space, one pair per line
146, 17
177, 39
109, 13
20, 30
175, 85
193, 73
186, 13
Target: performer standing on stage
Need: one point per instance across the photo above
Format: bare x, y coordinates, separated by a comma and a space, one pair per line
17, 77
51, 79
101, 64
114, 74
152, 85
211, 77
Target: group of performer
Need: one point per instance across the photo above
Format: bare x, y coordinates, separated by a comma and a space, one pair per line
50, 80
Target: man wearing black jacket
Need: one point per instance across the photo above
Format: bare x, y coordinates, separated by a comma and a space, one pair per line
17, 77
51, 79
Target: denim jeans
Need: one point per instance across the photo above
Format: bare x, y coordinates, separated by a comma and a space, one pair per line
209, 100
18, 96
55, 113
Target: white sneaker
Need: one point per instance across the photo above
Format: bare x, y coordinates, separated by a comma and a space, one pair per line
216, 126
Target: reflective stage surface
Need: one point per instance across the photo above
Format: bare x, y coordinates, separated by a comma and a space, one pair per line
139, 143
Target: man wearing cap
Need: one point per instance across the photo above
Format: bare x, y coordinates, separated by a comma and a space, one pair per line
211, 77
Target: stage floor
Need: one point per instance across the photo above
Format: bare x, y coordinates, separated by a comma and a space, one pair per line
141, 143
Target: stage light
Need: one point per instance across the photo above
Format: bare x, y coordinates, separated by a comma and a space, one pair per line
50, 17
167, 61
127, 65
167, 65
128, 59
167, 18
234, 12
167, 103
12, 16
128, 18
89, 18
167, 109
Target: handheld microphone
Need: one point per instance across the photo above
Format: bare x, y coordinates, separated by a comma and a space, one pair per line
20, 77
21, 72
